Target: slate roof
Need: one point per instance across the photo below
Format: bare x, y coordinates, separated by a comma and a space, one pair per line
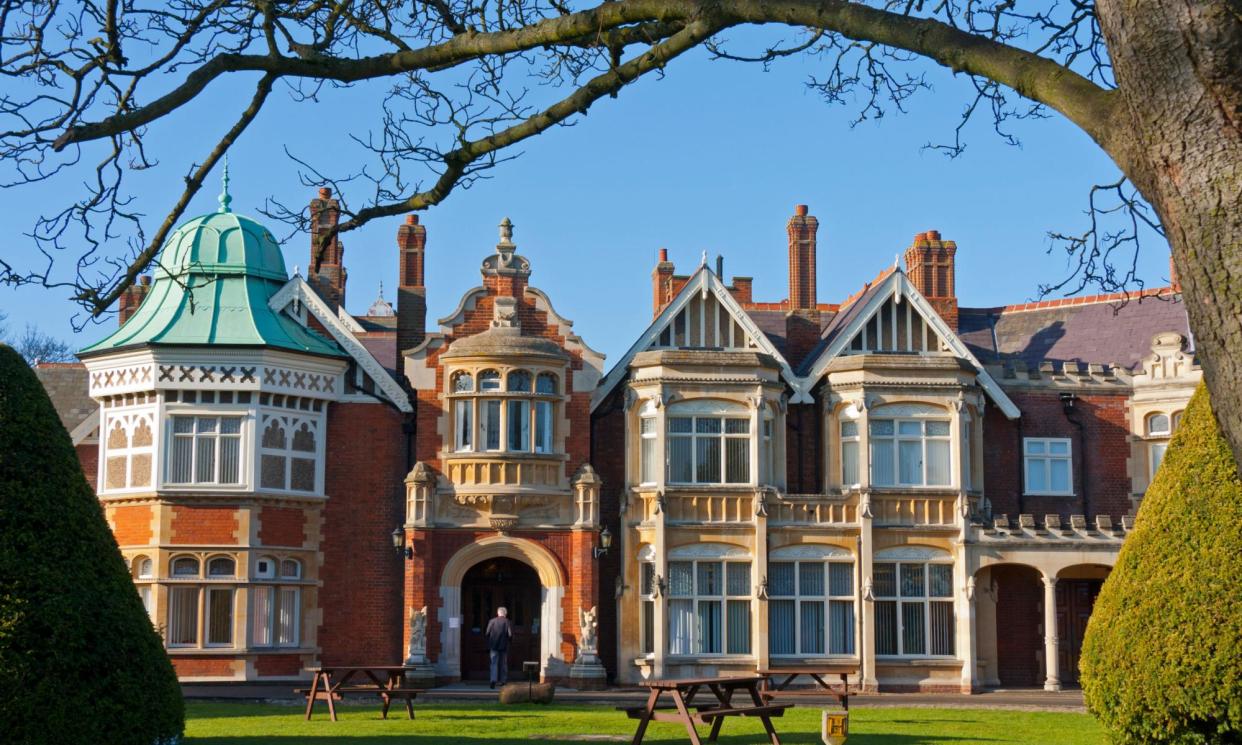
841, 320
1099, 329
772, 324
66, 385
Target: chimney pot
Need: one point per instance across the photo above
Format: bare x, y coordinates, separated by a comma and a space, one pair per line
801, 210
145, 279
663, 254
325, 192
933, 235
411, 219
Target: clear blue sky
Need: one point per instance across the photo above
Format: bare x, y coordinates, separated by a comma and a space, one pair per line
713, 157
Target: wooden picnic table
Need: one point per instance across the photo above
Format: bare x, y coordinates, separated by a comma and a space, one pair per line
682, 691
776, 682
330, 683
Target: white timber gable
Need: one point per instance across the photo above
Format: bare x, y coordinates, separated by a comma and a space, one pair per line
896, 318
703, 315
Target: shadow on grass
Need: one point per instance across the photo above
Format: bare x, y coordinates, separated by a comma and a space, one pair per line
789, 738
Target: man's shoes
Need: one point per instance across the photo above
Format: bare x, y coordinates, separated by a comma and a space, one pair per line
493, 684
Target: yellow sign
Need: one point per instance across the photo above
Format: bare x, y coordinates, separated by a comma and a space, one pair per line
835, 727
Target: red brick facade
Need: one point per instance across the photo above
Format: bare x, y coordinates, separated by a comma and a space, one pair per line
282, 526
194, 525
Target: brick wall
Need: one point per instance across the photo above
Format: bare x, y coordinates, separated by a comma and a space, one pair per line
608, 459
803, 452
278, 665
361, 572
196, 524
1018, 625
282, 526
1104, 440
131, 524
203, 667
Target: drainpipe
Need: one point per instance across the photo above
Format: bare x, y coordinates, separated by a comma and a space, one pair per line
1021, 467
1067, 406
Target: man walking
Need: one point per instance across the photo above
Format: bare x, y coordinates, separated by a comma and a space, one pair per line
499, 632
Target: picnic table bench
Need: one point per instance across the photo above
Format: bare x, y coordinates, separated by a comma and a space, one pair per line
776, 681
683, 691
330, 684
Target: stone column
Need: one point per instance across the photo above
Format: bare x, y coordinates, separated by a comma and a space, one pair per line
1052, 661
866, 550
966, 622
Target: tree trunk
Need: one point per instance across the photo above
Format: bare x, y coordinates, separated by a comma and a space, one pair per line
1178, 136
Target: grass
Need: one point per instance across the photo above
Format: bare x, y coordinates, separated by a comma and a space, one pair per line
471, 723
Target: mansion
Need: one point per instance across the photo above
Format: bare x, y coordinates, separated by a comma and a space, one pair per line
929, 493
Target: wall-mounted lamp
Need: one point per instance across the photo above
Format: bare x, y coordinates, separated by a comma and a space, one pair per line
605, 543
1067, 402
398, 543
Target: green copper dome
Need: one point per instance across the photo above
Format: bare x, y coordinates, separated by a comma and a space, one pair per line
214, 278
222, 243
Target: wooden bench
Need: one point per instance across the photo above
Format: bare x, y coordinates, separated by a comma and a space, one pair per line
386, 694
331, 684
684, 710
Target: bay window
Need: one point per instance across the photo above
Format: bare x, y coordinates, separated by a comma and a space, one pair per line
1047, 464
913, 608
709, 607
811, 607
518, 416
204, 450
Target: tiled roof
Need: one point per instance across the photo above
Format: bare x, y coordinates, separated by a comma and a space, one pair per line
852, 306
1101, 329
772, 323
66, 385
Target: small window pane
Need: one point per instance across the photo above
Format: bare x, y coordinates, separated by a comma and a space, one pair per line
707, 459
290, 569
849, 429
1058, 447
680, 463
681, 578
810, 578
647, 579
1036, 475
491, 424
1035, 447
707, 426
937, 429
709, 627
489, 380
910, 429
1060, 475
841, 627
185, 567
463, 382
881, 428
220, 616
913, 630
545, 383
912, 585
884, 580
811, 619
840, 579
737, 460
849, 463
737, 426
886, 627
942, 628
910, 460
738, 580
519, 425
739, 627
938, 463
182, 616
680, 424
781, 578
781, 622
940, 580
519, 381
680, 619
221, 567
709, 578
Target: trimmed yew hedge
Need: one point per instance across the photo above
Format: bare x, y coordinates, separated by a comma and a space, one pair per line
79, 659
1162, 658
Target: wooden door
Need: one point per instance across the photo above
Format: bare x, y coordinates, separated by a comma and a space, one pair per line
493, 584
1075, 601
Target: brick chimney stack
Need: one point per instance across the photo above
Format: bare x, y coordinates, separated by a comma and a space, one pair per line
802, 228
132, 298
411, 291
326, 272
661, 284
931, 266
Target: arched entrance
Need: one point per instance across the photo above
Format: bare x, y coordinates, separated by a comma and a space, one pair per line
494, 583
551, 593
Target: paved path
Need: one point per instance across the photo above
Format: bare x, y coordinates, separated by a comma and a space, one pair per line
1029, 699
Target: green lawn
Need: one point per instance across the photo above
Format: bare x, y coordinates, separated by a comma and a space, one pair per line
281, 724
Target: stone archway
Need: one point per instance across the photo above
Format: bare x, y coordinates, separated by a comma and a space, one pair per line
551, 578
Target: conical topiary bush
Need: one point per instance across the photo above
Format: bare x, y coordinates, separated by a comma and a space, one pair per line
79, 660
1162, 658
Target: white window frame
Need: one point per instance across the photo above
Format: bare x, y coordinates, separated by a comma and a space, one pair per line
1155, 456
894, 442
723, 598
1047, 457
536, 404
826, 599
291, 421
693, 437
278, 593
172, 436
1151, 432
926, 599
647, 598
854, 439
648, 450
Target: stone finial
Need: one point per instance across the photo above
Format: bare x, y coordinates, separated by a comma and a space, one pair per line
420, 474
586, 475
506, 231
